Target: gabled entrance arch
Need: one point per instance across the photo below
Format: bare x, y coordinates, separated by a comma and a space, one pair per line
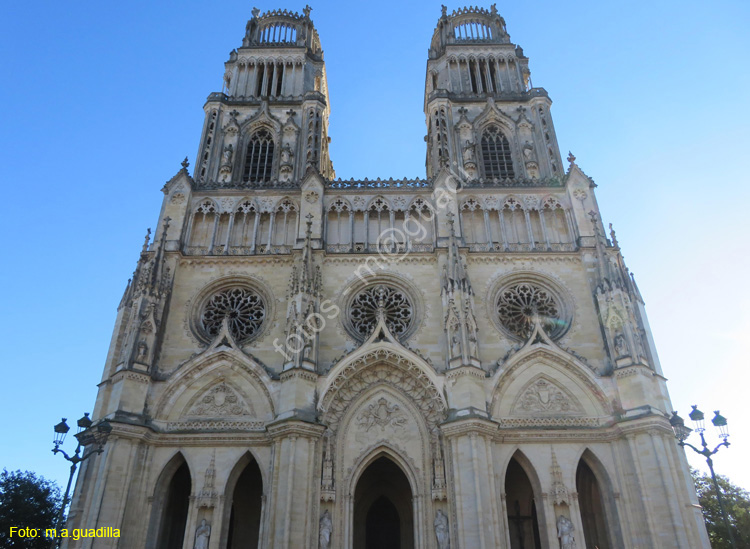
383, 515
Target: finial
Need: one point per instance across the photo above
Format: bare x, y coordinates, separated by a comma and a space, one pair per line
614, 237
148, 237
571, 158
592, 215
309, 218
185, 164
255, 12
444, 10
307, 11
493, 9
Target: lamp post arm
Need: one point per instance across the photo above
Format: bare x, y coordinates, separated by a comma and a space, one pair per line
683, 444
725, 443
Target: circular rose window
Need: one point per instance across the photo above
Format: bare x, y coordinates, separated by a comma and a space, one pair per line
517, 306
244, 309
396, 305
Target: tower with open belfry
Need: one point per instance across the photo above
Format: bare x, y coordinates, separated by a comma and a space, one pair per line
460, 361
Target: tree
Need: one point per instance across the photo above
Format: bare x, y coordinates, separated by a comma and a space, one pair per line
27, 500
736, 503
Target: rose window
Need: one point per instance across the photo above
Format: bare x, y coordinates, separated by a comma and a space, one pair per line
243, 308
396, 306
518, 305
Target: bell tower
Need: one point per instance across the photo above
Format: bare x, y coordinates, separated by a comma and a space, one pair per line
485, 121
269, 125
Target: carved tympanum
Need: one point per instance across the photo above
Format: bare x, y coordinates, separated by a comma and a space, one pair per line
381, 413
543, 396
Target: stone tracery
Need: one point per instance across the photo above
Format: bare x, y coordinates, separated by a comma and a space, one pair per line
398, 309
244, 309
518, 306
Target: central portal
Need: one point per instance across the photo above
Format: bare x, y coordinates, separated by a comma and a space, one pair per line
383, 516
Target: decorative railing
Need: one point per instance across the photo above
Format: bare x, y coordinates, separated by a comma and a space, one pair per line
361, 248
261, 249
522, 247
519, 182
380, 184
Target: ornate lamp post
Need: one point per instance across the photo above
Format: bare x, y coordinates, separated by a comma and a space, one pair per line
89, 435
682, 432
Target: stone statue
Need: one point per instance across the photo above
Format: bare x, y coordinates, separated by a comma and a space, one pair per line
469, 153
227, 154
326, 525
528, 151
202, 534
565, 533
286, 154
441, 530
621, 348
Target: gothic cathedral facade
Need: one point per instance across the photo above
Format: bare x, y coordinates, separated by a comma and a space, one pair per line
461, 361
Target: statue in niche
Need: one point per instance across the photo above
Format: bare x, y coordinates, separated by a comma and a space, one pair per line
469, 153
565, 533
441, 530
227, 154
142, 350
326, 526
621, 347
286, 154
528, 152
202, 535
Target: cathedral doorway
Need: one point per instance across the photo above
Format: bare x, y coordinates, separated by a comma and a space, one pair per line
523, 524
246, 507
383, 517
593, 515
174, 519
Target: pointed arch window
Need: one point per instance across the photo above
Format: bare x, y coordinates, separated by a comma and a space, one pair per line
496, 154
259, 157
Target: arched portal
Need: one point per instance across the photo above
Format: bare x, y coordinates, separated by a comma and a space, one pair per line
246, 508
174, 518
383, 517
523, 523
593, 515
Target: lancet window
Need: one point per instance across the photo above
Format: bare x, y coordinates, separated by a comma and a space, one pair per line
496, 155
259, 157
339, 226
245, 230
440, 127
380, 225
513, 226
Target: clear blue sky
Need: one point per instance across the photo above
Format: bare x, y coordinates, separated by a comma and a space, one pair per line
102, 100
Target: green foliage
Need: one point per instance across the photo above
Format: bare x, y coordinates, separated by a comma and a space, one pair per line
27, 500
737, 505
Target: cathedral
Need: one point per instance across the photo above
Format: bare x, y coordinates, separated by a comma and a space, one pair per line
460, 361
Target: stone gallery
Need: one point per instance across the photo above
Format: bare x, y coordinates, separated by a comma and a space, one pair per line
461, 361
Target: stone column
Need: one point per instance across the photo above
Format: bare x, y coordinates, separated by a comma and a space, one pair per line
475, 502
294, 492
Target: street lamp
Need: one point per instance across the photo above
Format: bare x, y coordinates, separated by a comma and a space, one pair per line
682, 432
91, 439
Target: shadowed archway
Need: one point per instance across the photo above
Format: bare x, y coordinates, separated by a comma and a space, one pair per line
383, 517
246, 506
593, 511
176, 500
523, 522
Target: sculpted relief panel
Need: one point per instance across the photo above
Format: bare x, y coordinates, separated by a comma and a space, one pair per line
543, 397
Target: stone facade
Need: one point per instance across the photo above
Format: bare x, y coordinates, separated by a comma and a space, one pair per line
457, 361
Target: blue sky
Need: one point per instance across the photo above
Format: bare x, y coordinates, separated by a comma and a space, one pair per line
101, 102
